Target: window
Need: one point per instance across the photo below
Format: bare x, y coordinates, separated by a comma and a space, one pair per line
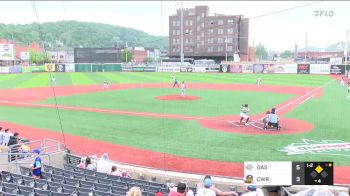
190, 40
190, 22
191, 32
186, 31
178, 40
220, 40
210, 31
210, 40
186, 22
202, 25
198, 18
174, 32
174, 23
230, 31
220, 31
230, 21
191, 49
210, 22
174, 49
220, 22
210, 48
202, 43
178, 23
202, 15
174, 41
198, 46
202, 34
198, 28
229, 40
229, 48
198, 38
178, 32
186, 41
220, 48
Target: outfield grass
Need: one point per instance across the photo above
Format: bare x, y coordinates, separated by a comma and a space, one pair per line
63, 79
211, 102
329, 114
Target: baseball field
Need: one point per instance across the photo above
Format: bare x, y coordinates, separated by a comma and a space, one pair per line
141, 119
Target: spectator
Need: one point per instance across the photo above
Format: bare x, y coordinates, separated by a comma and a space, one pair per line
36, 167
14, 147
251, 190
89, 165
206, 189
1, 136
134, 191
104, 165
181, 190
115, 171
6, 137
216, 190
81, 165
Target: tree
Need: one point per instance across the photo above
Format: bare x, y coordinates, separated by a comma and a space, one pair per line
38, 57
260, 52
286, 54
123, 56
148, 60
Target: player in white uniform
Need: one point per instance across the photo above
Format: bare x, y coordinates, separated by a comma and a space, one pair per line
342, 81
53, 81
243, 114
183, 88
105, 84
347, 97
258, 81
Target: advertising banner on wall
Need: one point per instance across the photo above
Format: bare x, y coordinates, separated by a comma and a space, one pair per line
60, 67
168, 69
6, 52
128, 69
213, 69
70, 67
303, 68
247, 68
25, 56
137, 69
150, 69
235, 69
286, 68
258, 68
4, 70
199, 69
224, 68
50, 67
337, 69
320, 68
16, 69
33, 69
186, 69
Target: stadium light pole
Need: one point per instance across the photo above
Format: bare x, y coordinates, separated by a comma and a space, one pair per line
226, 49
346, 50
182, 35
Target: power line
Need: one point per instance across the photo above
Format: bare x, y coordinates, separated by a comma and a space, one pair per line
52, 86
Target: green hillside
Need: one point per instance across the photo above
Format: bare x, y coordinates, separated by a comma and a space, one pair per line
73, 34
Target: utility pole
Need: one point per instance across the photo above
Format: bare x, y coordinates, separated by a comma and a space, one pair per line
126, 52
346, 50
226, 48
182, 36
305, 46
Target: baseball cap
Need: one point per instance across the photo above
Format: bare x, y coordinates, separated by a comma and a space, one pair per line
207, 183
252, 187
207, 176
36, 151
181, 187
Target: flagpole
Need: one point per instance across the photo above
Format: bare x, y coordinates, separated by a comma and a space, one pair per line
346, 50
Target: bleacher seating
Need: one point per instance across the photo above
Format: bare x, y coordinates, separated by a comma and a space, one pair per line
73, 181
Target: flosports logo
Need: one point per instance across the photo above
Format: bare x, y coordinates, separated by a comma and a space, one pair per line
321, 147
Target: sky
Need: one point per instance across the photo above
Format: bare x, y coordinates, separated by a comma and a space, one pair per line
278, 32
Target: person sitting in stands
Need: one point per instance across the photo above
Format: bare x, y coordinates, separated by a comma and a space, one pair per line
216, 190
115, 171
134, 191
89, 165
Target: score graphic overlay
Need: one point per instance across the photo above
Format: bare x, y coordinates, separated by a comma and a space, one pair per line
288, 173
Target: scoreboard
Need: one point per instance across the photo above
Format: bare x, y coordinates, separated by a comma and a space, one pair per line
286, 173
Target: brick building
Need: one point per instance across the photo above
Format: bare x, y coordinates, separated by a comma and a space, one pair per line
205, 36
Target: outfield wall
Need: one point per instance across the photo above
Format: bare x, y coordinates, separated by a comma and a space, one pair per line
261, 68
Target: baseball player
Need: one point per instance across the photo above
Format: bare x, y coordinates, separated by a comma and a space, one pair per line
243, 114
105, 84
183, 88
175, 82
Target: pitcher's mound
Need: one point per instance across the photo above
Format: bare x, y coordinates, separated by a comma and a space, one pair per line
176, 97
